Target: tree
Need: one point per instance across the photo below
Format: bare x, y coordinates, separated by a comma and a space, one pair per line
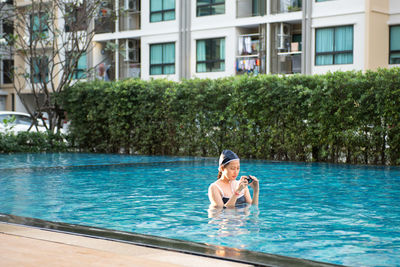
51, 40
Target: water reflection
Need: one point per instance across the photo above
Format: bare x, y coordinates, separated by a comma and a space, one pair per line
233, 222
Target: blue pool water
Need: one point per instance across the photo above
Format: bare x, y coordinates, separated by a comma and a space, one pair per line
333, 213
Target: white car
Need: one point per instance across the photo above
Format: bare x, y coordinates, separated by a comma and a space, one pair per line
21, 123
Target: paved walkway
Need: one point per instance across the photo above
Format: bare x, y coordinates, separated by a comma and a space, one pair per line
27, 246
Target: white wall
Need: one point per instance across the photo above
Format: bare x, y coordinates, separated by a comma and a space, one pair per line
337, 7
145, 55
214, 21
230, 52
162, 27
340, 13
394, 11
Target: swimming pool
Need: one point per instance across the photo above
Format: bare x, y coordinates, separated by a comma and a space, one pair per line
340, 214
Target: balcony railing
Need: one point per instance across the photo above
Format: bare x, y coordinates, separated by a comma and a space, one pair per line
130, 70
104, 25
129, 20
284, 6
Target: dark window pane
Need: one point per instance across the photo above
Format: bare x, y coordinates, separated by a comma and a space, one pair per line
8, 66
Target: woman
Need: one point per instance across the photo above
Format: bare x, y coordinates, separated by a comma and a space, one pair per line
227, 191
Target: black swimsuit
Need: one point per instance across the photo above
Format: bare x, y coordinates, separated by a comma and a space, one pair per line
240, 201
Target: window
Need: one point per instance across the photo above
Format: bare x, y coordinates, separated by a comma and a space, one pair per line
210, 55
8, 27
79, 71
39, 28
161, 10
162, 59
40, 68
394, 49
8, 68
334, 45
210, 7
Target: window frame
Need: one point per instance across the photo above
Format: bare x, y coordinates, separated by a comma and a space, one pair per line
77, 73
390, 48
37, 77
42, 31
210, 6
162, 11
7, 74
212, 61
162, 65
333, 53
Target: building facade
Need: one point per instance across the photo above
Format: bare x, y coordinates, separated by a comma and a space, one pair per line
183, 39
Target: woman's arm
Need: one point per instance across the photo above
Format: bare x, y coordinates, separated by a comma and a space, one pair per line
256, 190
215, 196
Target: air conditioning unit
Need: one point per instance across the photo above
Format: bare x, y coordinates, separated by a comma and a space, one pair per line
283, 36
132, 50
132, 5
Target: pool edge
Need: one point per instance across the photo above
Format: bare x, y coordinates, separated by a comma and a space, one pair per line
187, 247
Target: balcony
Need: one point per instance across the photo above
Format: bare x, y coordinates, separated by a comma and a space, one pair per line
286, 48
248, 58
250, 8
130, 59
105, 20
129, 16
284, 6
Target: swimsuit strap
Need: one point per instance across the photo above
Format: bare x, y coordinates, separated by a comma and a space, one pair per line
222, 192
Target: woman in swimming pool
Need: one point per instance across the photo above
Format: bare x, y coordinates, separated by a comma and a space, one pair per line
227, 191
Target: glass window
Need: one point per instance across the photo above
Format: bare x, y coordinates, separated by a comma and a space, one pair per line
8, 69
40, 68
161, 10
39, 27
394, 54
162, 59
210, 55
210, 7
79, 71
20, 119
334, 45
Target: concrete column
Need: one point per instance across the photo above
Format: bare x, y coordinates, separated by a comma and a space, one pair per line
306, 38
184, 39
117, 42
376, 34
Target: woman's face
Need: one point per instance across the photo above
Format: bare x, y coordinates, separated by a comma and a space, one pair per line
231, 170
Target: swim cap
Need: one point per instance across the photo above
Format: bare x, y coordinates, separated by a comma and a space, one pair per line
226, 157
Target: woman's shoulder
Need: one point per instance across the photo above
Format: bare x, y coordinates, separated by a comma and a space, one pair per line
215, 186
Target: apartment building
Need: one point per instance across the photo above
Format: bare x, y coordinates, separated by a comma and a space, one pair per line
180, 39
6, 54
183, 39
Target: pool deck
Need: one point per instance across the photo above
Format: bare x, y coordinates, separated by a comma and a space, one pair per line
29, 246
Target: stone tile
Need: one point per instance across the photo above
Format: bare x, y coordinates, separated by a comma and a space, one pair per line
28, 246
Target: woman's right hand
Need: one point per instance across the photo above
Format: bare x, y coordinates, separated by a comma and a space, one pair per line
243, 183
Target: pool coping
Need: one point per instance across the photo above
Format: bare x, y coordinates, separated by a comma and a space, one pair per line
187, 247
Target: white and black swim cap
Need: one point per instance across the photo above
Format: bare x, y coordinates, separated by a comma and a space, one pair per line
226, 157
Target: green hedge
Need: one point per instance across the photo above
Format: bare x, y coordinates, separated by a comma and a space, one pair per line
30, 142
348, 117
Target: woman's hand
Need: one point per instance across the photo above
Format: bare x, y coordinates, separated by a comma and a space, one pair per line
255, 184
243, 183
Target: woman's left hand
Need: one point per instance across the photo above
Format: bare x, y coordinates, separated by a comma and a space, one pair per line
255, 183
